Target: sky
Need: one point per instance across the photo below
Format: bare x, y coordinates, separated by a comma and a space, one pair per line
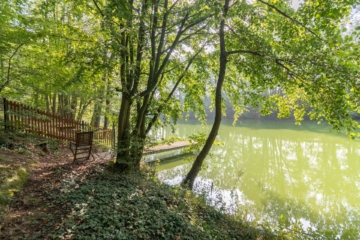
296, 3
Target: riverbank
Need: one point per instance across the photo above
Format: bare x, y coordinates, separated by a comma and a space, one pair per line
56, 199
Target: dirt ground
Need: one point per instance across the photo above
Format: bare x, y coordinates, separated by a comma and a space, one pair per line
32, 209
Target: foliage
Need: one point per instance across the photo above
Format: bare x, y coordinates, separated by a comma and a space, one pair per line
140, 207
167, 140
12, 180
197, 142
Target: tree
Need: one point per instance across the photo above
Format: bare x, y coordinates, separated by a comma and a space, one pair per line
13, 37
148, 38
196, 167
274, 46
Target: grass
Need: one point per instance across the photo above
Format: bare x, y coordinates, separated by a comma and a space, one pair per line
12, 180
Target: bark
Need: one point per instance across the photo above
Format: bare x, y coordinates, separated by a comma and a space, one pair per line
60, 105
47, 101
196, 167
66, 108
73, 106
123, 151
36, 99
107, 109
95, 120
107, 102
54, 104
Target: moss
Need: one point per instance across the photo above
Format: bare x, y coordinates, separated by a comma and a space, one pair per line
12, 179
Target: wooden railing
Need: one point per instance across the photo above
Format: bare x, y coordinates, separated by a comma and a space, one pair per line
22, 117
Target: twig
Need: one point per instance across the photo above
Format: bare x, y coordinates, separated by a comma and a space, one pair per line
290, 18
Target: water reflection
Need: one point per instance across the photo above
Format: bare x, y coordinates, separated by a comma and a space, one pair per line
312, 176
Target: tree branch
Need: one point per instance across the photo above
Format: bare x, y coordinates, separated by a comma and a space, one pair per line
103, 15
245, 51
290, 18
166, 59
160, 108
98, 8
162, 37
278, 61
9, 67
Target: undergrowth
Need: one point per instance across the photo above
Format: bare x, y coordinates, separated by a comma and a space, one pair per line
12, 179
138, 206
13, 172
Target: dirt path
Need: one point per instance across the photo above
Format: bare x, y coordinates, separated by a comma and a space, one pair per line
33, 207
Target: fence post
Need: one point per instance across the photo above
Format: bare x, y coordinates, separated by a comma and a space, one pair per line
6, 116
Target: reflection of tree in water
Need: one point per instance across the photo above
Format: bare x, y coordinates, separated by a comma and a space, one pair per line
301, 213
300, 174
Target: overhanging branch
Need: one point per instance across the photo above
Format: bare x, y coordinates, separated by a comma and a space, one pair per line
290, 18
278, 61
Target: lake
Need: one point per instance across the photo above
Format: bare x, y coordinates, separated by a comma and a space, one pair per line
277, 172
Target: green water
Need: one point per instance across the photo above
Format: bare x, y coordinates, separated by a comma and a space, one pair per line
304, 173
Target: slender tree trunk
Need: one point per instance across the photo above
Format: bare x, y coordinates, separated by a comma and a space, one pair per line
107, 110
54, 104
68, 107
82, 108
73, 106
47, 101
107, 98
60, 105
36, 98
196, 167
95, 120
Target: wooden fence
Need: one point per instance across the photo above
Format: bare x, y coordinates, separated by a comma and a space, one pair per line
22, 117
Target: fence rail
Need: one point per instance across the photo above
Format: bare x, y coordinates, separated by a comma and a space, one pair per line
22, 117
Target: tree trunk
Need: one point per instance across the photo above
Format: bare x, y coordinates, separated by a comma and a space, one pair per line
47, 100
107, 104
139, 134
60, 105
196, 167
95, 120
36, 98
107, 110
73, 106
54, 104
82, 108
123, 145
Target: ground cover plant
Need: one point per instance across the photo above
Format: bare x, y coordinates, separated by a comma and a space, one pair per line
111, 205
